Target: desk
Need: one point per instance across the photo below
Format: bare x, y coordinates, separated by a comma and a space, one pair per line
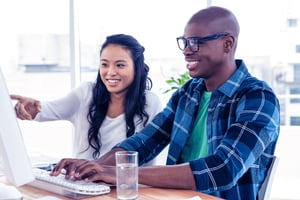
145, 193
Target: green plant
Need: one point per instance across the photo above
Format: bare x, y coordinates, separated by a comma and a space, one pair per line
176, 82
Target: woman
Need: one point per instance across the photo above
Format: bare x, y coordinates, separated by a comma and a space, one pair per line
108, 111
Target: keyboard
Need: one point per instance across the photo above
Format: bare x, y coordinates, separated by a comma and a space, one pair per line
75, 187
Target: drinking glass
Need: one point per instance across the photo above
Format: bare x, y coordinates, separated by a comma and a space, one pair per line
127, 175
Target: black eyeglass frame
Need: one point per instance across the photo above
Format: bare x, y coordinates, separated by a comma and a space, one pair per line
186, 41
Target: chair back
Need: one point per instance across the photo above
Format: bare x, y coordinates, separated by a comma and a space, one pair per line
265, 190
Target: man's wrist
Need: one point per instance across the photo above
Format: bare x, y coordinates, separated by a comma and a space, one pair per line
109, 158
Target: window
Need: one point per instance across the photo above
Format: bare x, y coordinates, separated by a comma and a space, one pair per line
292, 23
295, 121
298, 48
35, 61
297, 73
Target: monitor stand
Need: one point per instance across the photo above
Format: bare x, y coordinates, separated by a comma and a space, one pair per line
9, 192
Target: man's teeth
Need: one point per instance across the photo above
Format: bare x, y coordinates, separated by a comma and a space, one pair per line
192, 62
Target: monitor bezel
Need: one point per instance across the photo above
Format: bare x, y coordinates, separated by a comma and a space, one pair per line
16, 163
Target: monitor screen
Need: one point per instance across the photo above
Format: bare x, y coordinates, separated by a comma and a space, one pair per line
13, 154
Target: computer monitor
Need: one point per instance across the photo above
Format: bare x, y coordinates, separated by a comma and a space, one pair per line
13, 153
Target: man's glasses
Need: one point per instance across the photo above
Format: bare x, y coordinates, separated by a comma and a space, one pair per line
194, 42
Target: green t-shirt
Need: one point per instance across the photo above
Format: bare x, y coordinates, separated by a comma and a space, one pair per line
197, 144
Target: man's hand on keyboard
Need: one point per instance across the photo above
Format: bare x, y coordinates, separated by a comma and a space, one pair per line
67, 166
89, 171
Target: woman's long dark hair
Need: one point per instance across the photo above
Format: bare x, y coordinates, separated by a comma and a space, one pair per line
135, 100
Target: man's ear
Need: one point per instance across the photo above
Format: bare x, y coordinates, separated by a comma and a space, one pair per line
228, 44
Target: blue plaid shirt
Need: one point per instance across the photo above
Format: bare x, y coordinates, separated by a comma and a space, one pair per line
242, 130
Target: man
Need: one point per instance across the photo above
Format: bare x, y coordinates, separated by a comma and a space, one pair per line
222, 125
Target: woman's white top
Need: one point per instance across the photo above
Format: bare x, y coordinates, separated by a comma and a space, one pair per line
74, 108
